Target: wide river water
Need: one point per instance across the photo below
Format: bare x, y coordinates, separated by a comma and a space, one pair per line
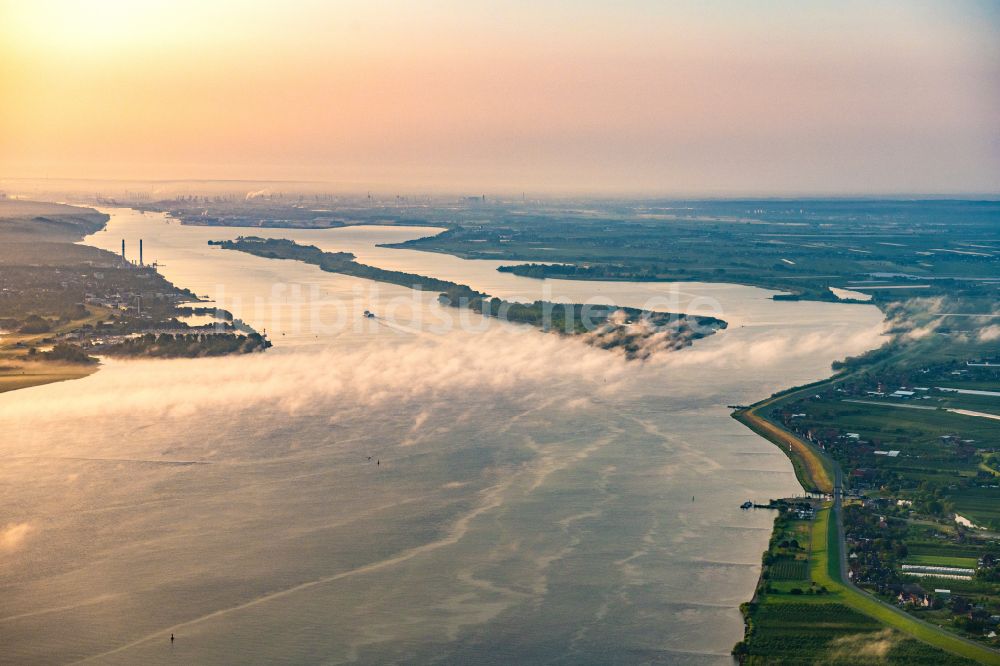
530, 499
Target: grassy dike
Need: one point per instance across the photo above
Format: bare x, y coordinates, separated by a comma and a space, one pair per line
814, 470
823, 618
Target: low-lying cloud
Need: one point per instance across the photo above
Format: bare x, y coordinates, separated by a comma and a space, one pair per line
726, 350
13, 535
518, 364
989, 333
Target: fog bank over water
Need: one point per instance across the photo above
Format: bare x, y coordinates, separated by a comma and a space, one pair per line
291, 380
529, 497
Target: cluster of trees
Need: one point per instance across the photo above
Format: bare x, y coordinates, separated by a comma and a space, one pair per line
879, 543
66, 352
576, 318
188, 345
33, 324
970, 619
563, 317
637, 272
989, 567
185, 311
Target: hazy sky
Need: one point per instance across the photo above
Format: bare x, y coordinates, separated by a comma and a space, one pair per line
764, 97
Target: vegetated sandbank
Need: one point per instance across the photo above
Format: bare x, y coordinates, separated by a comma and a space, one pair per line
637, 333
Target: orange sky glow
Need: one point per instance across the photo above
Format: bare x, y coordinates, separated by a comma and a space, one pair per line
669, 98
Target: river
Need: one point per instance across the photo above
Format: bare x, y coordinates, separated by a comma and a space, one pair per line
530, 499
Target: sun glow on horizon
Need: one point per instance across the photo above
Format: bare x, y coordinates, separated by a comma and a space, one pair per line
890, 96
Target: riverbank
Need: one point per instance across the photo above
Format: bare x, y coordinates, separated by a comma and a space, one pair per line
20, 369
14, 376
812, 469
61, 301
776, 617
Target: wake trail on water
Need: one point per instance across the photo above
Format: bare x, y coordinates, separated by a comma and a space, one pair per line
493, 499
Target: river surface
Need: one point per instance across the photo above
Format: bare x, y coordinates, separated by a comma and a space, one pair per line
529, 499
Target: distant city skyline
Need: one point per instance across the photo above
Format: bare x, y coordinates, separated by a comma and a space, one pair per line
579, 98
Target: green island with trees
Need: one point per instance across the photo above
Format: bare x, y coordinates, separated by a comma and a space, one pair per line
603, 326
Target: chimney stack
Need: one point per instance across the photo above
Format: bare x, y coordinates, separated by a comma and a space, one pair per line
123, 249
140, 252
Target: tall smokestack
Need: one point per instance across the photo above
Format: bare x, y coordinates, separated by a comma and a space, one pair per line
123, 249
140, 252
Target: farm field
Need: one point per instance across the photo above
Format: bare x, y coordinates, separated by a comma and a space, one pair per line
941, 561
800, 247
813, 620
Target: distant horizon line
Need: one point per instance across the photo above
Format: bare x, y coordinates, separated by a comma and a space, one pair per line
553, 193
